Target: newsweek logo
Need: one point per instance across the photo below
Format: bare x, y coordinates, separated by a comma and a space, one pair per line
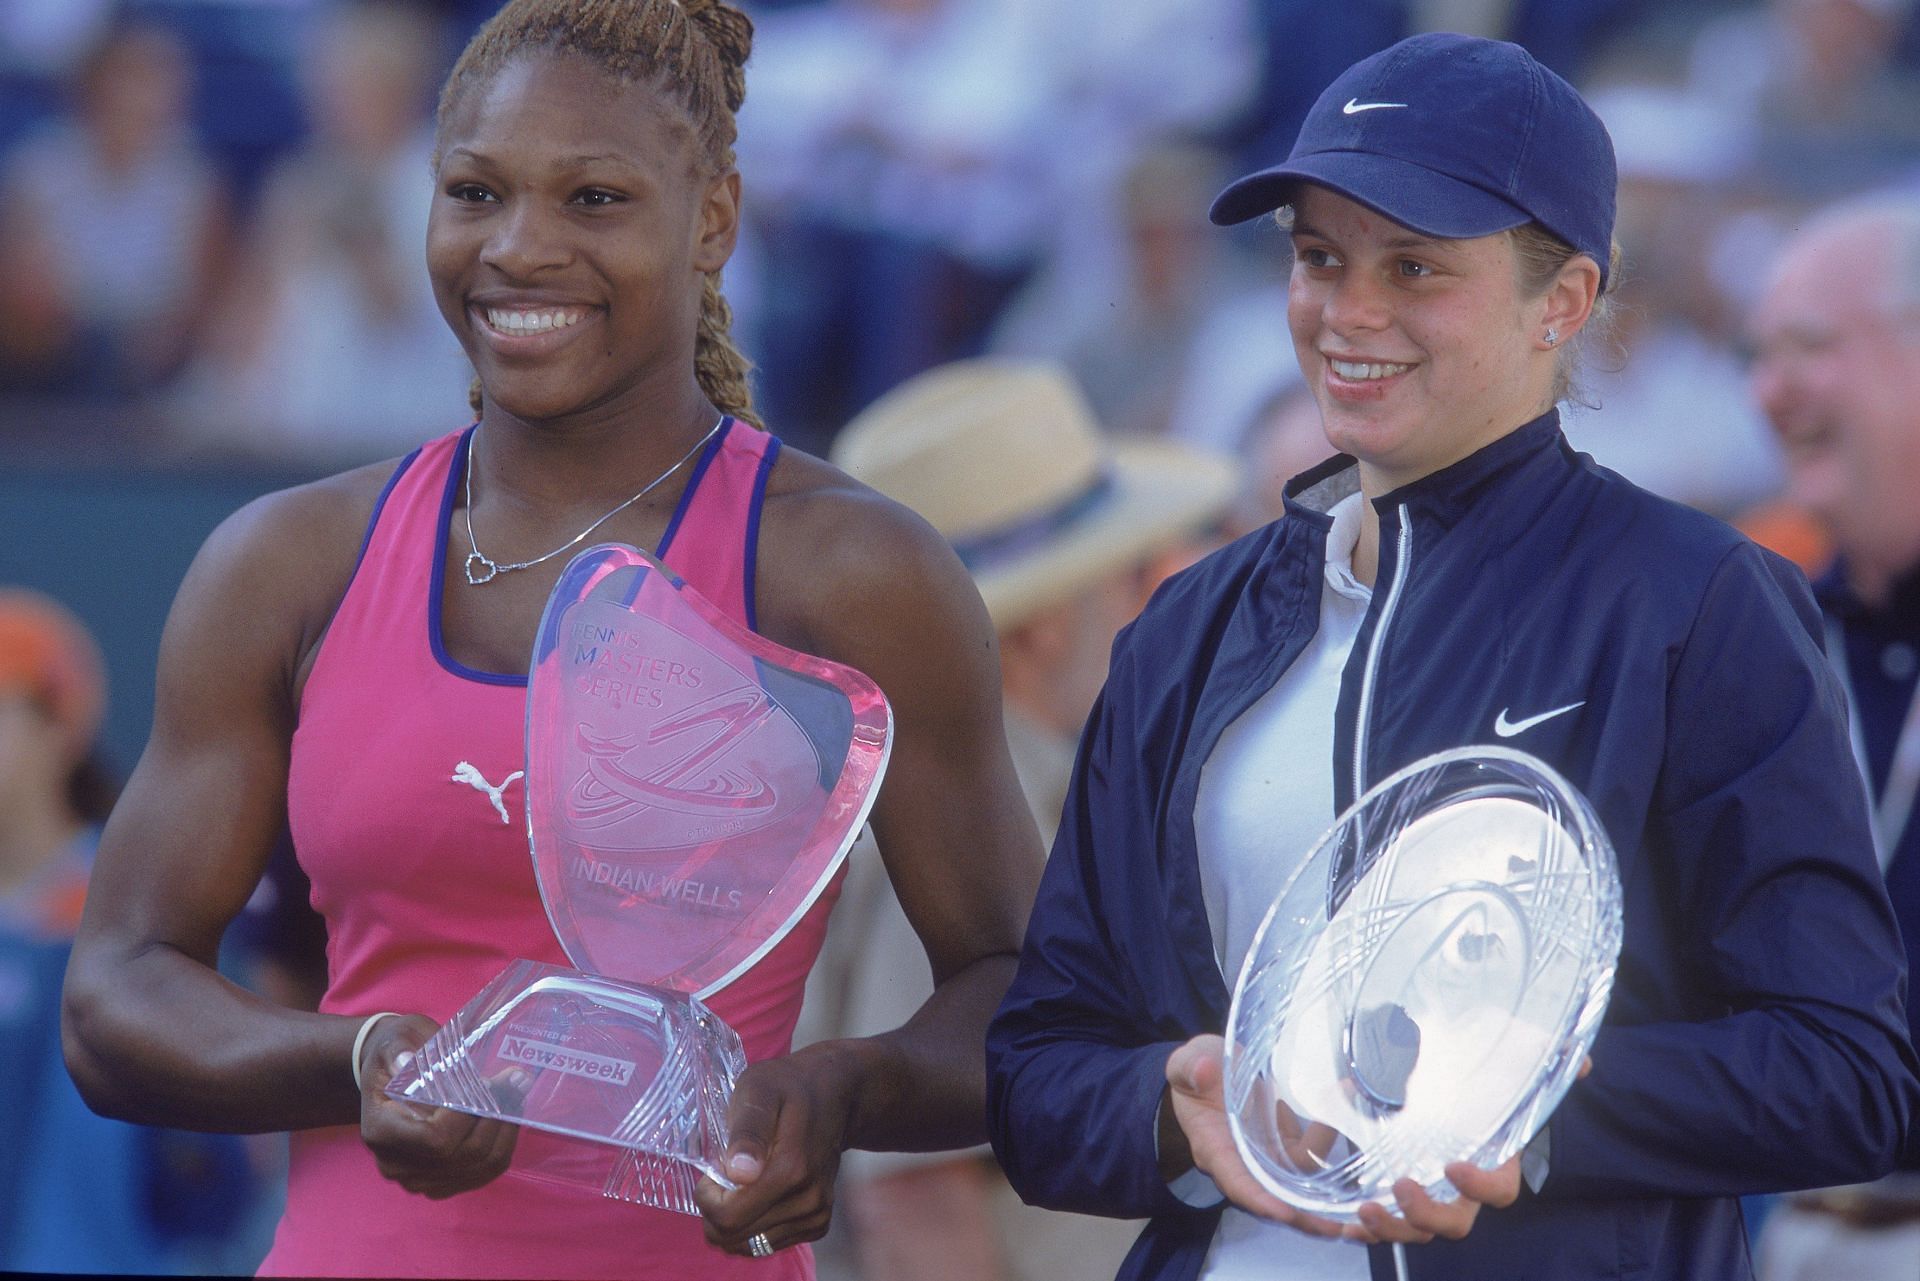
574, 1062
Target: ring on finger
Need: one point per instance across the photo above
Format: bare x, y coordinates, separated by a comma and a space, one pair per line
759, 1246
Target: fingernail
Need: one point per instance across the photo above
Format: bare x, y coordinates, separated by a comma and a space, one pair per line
743, 1165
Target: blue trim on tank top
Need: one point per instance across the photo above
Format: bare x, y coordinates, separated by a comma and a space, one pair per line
379, 505
437, 588
366, 541
751, 553
707, 456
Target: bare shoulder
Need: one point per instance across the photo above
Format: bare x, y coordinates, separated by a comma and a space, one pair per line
276, 569
841, 566
191, 833
853, 576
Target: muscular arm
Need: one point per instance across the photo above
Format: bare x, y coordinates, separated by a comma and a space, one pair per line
152, 1032
848, 575
953, 827
1078, 1049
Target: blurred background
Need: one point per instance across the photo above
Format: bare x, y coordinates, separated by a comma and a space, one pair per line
211, 279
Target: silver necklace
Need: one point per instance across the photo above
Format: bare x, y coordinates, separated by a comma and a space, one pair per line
481, 568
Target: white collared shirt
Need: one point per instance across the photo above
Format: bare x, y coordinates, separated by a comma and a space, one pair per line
1266, 797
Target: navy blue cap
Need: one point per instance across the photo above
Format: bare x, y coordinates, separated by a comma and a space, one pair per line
1451, 136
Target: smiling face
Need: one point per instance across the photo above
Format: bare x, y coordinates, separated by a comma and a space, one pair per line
1837, 371
571, 233
1419, 350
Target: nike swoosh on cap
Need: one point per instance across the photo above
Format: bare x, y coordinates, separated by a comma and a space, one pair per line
1506, 728
1354, 106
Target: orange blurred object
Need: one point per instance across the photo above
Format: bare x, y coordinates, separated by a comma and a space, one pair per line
47, 653
1790, 531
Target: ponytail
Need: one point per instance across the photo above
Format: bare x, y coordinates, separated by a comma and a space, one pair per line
717, 363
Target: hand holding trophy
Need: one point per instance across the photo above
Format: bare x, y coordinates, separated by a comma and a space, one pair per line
1425, 988
691, 790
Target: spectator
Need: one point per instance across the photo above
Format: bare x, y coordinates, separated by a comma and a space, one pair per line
45, 350
1130, 337
331, 348
1307, 43
1668, 409
78, 1193
130, 214
920, 158
45, 37
1835, 111
1837, 370
897, 143
1282, 442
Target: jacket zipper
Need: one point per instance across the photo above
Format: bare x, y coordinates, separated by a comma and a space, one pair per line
1403, 566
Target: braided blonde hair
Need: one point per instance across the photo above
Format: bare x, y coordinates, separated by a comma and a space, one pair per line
693, 52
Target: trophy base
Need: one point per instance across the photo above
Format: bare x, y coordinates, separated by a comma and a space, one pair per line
645, 1071
616, 1173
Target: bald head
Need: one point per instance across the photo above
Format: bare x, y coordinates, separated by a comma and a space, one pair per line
1837, 371
1879, 238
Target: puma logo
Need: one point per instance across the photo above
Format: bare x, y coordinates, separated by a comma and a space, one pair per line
465, 773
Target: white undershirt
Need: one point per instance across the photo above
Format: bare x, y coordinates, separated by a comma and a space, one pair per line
1266, 797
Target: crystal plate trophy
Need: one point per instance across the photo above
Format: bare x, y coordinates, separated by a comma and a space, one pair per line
1427, 985
691, 788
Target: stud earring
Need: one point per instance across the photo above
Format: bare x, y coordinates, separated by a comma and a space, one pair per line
1552, 337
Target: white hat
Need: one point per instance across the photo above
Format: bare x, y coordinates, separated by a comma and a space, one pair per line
1667, 134
1004, 458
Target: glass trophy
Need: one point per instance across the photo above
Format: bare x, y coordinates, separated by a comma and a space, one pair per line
692, 788
1427, 985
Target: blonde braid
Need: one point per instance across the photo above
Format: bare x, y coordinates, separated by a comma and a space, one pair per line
720, 366
693, 51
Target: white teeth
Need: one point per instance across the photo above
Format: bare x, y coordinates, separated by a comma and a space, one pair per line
1361, 371
531, 322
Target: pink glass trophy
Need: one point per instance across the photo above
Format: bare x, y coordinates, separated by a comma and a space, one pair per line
692, 788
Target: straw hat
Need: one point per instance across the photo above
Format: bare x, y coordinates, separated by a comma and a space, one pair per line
1004, 458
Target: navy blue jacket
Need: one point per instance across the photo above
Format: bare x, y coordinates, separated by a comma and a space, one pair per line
1882, 695
1756, 1039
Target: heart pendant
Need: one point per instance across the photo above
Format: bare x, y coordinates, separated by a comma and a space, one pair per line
492, 570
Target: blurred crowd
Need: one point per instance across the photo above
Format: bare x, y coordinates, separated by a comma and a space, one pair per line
212, 215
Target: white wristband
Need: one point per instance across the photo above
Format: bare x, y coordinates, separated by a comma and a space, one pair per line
360, 1041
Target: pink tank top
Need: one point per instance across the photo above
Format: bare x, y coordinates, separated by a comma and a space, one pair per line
428, 891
